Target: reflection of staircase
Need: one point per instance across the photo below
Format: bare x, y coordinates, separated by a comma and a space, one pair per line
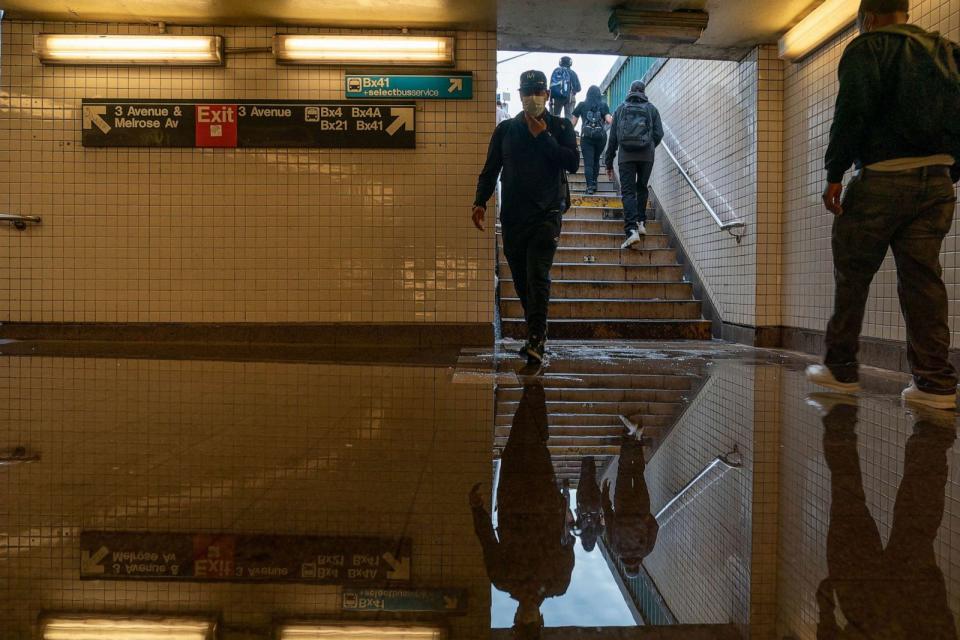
585, 400
602, 292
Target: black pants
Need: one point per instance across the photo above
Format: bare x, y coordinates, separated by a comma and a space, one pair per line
566, 106
910, 213
897, 591
592, 149
634, 187
530, 248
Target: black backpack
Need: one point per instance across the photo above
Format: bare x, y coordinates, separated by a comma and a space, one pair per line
635, 127
560, 84
593, 125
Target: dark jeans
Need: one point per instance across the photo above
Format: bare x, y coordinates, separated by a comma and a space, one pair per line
566, 106
897, 591
529, 248
592, 149
910, 213
634, 179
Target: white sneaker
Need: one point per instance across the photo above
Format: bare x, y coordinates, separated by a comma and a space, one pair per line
821, 375
824, 403
632, 239
642, 230
912, 395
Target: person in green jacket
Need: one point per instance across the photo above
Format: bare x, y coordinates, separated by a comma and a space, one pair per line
890, 122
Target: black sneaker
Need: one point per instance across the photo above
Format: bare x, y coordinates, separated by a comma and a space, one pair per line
522, 351
536, 347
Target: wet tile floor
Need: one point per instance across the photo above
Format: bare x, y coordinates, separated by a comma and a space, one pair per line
689, 490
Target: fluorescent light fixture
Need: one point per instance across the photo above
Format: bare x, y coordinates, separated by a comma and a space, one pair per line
668, 26
353, 631
821, 25
115, 627
128, 50
359, 50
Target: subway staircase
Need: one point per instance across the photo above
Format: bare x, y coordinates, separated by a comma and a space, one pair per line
586, 399
601, 292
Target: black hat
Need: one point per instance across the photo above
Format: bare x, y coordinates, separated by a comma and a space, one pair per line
532, 81
565, 61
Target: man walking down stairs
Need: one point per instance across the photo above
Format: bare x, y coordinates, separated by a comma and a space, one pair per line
602, 292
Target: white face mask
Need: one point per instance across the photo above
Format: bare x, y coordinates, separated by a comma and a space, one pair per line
534, 106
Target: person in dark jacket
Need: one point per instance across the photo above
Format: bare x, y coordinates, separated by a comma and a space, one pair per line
634, 136
897, 591
530, 555
901, 198
593, 136
631, 527
565, 105
589, 520
530, 154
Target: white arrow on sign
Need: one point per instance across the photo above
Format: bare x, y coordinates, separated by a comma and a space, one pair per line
91, 564
456, 84
91, 116
399, 569
404, 119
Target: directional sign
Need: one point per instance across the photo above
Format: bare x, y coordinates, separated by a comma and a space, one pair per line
243, 558
429, 87
409, 600
248, 124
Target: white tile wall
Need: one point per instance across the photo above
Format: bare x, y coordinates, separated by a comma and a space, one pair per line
194, 446
810, 91
266, 235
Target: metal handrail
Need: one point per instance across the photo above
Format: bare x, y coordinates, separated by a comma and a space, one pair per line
729, 227
18, 221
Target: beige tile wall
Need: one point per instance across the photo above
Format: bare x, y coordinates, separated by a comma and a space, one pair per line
266, 235
194, 446
810, 91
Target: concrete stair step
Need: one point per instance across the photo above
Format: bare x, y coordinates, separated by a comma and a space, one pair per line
582, 190
581, 178
557, 378
605, 202
570, 441
613, 408
600, 213
615, 272
610, 240
576, 225
560, 394
597, 452
587, 421
610, 256
608, 329
592, 289
610, 309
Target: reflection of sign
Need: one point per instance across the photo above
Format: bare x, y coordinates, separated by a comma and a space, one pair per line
232, 124
409, 600
428, 87
218, 557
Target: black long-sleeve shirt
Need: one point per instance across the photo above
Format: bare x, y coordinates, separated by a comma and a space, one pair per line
532, 168
888, 79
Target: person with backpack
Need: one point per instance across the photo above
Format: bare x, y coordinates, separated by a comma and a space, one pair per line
897, 119
564, 87
634, 136
593, 135
534, 151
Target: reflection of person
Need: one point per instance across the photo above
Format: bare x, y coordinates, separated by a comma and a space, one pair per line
893, 592
589, 504
530, 555
631, 528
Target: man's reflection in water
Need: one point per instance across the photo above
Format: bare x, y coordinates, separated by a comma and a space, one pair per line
589, 521
533, 558
897, 592
631, 527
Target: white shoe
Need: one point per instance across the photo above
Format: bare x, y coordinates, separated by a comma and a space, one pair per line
642, 230
821, 375
912, 395
632, 239
824, 403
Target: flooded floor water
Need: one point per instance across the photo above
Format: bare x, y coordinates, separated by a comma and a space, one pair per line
702, 489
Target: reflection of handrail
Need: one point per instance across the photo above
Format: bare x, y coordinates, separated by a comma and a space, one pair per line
729, 227
18, 456
712, 472
18, 221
